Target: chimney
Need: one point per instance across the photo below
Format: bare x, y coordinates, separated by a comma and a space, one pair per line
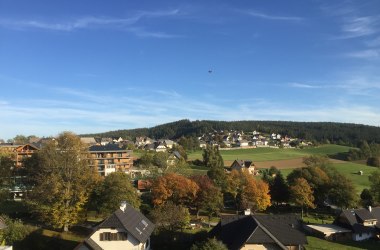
370, 209
123, 205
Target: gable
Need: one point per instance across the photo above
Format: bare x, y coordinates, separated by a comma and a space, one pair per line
275, 230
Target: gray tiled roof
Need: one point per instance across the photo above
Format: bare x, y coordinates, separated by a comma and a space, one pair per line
132, 221
356, 217
279, 230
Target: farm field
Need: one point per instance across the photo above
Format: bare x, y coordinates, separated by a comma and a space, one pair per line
350, 170
274, 154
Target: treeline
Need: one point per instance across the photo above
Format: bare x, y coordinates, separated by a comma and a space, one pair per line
323, 132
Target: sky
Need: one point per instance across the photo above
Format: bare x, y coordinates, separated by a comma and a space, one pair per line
91, 66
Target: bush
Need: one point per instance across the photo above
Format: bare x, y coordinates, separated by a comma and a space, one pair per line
373, 161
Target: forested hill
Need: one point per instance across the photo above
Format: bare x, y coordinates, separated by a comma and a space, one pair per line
341, 133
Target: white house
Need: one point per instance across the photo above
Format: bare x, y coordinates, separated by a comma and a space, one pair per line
364, 222
242, 143
126, 229
246, 164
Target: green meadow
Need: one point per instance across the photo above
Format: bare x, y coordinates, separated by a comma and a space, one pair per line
274, 154
350, 170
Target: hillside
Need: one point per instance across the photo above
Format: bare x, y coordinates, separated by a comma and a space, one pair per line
340, 133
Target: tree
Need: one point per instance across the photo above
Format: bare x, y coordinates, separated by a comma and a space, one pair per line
175, 188
20, 139
14, 231
209, 197
279, 189
6, 172
146, 160
63, 181
247, 191
374, 179
213, 160
366, 198
212, 157
365, 149
209, 244
115, 188
255, 193
373, 161
171, 217
316, 177
302, 194
342, 192
160, 159
316, 161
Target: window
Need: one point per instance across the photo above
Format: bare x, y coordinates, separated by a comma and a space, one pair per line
108, 236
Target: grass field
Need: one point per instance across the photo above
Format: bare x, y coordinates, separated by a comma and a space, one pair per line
320, 244
273, 154
350, 170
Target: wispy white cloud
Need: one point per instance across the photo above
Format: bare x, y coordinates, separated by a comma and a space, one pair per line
305, 85
91, 22
262, 15
365, 54
359, 26
141, 32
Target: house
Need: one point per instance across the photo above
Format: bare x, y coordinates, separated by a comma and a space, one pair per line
19, 153
364, 222
126, 228
160, 147
243, 164
173, 158
168, 143
242, 143
202, 144
110, 158
88, 140
260, 232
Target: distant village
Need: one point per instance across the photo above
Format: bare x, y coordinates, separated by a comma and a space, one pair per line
116, 154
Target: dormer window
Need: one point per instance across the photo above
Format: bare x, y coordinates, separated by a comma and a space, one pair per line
108, 236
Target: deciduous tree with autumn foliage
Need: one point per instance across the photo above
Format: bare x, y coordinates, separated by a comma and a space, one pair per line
249, 192
209, 197
302, 194
175, 188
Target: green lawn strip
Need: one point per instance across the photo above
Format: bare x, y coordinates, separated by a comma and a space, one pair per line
321, 244
351, 170
271, 154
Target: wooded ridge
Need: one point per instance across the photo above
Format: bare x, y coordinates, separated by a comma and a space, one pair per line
333, 132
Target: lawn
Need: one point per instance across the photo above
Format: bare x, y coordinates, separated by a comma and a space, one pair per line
320, 244
272, 154
350, 170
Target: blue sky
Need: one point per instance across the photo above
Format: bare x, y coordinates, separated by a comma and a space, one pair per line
94, 66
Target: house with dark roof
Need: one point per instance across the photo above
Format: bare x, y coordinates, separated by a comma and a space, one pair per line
125, 229
173, 158
364, 222
260, 232
243, 164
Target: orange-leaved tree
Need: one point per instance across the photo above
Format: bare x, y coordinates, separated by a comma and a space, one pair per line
176, 188
302, 194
